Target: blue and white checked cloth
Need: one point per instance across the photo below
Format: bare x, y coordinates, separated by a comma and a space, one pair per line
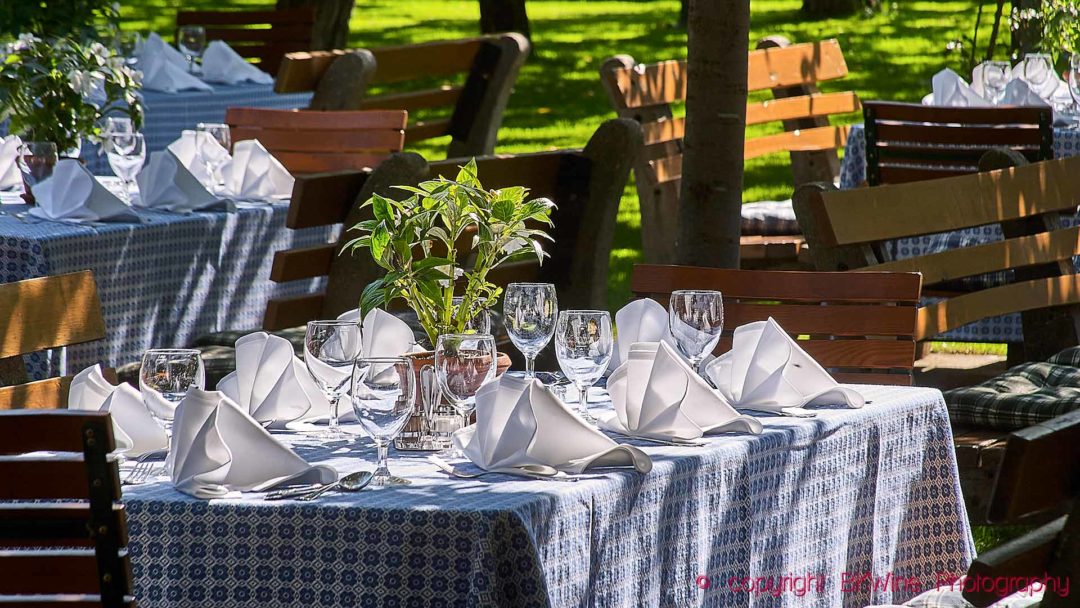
865, 492
1006, 328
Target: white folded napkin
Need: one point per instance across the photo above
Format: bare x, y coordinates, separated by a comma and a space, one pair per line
135, 430
642, 320
10, 174
949, 89
217, 448
165, 69
656, 394
383, 334
766, 370
254, 173
1018, 93
272, 384
74, 194
166, 184
220, 63
520, 422
193, 152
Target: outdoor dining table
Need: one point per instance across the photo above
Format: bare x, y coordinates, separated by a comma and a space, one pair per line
849, 508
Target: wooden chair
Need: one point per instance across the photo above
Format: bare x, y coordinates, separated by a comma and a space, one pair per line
265, 36
307, 141
861, 327
910, 142
337, 80
645, 93
38, 314
66, 543
473, 79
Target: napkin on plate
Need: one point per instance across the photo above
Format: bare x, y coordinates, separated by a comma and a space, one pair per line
766, 370
272, 384
165, 69
193, 151
642, 320
10, 174
166, 184
220, 63
520, 422
135, 430
217, 447
656, 394
254, 173
949, 89
73, 194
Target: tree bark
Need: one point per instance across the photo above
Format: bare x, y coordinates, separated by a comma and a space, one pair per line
712, 170
497, 16
331, 29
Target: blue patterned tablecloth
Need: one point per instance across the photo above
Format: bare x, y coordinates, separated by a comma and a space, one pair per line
867, 501
1006, 328
162, 282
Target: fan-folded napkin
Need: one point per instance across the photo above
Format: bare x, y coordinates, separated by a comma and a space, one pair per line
135, 430
217, 447
642, 320
949, 89
656, 394
10, 174
520, 422
73, 194
220, 63
766, 370
165, 69
254, 173
166, 184
193, 151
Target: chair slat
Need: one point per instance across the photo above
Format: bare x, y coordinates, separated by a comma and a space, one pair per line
430, 129
409, 62
36, 314
853, 320
274, 17
1040, 471
44, 525
910, 112
803, 106
871, 354
668, 129
966, 135
323, 199
283, 313
903, 175
300, 71
48, 394
322, 162
298, 140
995, 301
666, 169
316, 121
753, 247
806, 63
304, 263
36, 572
415, 100
54, 431
292, 33
51, 478
801, 140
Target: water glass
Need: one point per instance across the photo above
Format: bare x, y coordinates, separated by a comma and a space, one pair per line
479, 321
36, 160
995, 77
383, 397
126, 153
530, 311
191, 41
1037, 70
463, 364
213, 156
584, 343
171, 372
696, 318
330, 349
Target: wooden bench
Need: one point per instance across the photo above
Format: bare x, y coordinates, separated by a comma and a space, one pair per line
646, 92
265, 36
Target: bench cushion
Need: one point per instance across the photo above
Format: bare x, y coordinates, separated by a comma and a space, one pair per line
769, 218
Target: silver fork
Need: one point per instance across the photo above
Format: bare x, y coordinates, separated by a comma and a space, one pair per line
143, 466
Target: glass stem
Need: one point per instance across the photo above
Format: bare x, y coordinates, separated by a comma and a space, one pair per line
583, 399
333, 424
530, 367
384, 454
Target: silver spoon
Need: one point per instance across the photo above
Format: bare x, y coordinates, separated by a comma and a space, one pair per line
353, 482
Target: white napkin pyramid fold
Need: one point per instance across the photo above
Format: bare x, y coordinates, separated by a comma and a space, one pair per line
520, 422
220, 63
166, 184
217, 448
273, 385
656, 394
73, 194
1019, 93
949, 89
254, 173
10, 174
135, 430
165, 69
766, 370
193, 151
642, 320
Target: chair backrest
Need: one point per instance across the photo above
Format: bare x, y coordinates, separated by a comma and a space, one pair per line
586, 184
845, 227
861, 327
68, 536
467, 86
38, 314
645, 93
265, 36
337, 80
308, 141
908, 142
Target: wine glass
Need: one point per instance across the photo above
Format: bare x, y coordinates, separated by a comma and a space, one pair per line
1037, 70
330, 349
584, 343
213, 156
127, 153
480, 318
696, 318
530, 311
118, 125
36, 160
171, 372
191, 40
995, 77
1074, 82
464, 363
383, 397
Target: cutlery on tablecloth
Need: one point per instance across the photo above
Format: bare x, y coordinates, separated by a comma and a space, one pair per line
532, 471
682, 443
144, 465
352, 482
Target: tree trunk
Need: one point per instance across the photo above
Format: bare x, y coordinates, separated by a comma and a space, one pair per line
712, 169
498, 16
331, 29
1028, 37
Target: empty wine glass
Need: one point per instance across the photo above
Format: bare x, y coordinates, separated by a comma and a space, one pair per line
212, 144
330, 349
118, 125
464, 363
170, 373
995, 77
126, 153
383, 397
583, 344
36, 160
696, 318
530, 311
1037, 70
191, 41
480, 318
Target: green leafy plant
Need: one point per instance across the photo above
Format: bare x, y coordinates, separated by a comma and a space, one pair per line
1055, 22
59, 90
83, 20
414, 240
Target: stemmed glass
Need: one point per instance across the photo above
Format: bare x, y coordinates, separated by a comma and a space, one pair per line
170, 373
530, 311
383, 397
330, 350
696, 318
995, 78
206, 133
1037, 70
36, 160
127, 153
118, 125
464, 363
191, 40
584, 343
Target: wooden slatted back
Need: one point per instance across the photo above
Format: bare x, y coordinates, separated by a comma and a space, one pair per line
845, 227
861, 327
911, 142
39, 314
645, 92
337, 79
70, 533
265, 36
307, 141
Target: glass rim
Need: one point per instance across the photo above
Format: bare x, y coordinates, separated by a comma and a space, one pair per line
1046, 55
184, 351
332, 322
582, 311
530, 284
465, 337
394, 360
697, 291
203, 125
